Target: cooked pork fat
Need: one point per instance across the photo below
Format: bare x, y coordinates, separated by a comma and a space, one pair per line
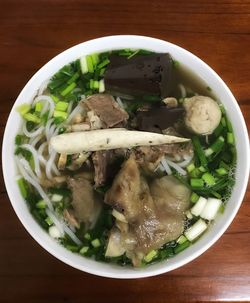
151, 219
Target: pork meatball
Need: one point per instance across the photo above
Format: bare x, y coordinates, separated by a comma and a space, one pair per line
203, 114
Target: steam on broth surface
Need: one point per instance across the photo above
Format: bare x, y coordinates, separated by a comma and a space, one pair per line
125, 157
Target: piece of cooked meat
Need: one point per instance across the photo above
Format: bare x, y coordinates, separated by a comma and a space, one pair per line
105, 107
123, 194
149, 157
70, 218
141, 75
170, 194
158, 119
85, 201
149, 223
203, 114
107, 164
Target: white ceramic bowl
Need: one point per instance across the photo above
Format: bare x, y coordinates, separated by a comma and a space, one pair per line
198, 67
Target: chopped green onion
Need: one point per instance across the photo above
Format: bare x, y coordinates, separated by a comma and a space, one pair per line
195, 173
41, 204
61, 106
38, 107
218, 130
229, 125
84, 65
61, 130
199, 151
181, 239
54, 232
89, 64
194, 197
195, 230
55, 98
60, 114
103, 63
224, 165
56, 198
23, 108
209, 179
197, 209
87, 236
72, 248
202, 169
222, 208
22, 187
223, 122
49, 221
221, 171
32, 118
102, 71
195, 182
150, 256
211, 209
181, 247
133, 54
68, 89
20, 139
96, 243
190, 167
95, 59
230, 138
223, 111
215, 147
101, 86
91, 83
58, 120
83, 250
188, 214
215, 194
73, 78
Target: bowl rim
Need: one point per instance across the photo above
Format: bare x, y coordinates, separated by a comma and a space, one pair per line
133, 273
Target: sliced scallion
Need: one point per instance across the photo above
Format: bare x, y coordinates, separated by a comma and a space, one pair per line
61, 106
41, 204
32, 118
89, 64
23, 108
60, 114
230, 138
199, 151
84, 65
209, 179
181, 247
195, 182
215, 147
103, 63
190, 167
38, 107
22, 187
83, 250
55, 98
221, 171
195, 230
101, 86
194, 197
150, 256
68, 89
96, 243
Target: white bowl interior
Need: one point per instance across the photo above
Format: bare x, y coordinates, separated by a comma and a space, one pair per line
199, 68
